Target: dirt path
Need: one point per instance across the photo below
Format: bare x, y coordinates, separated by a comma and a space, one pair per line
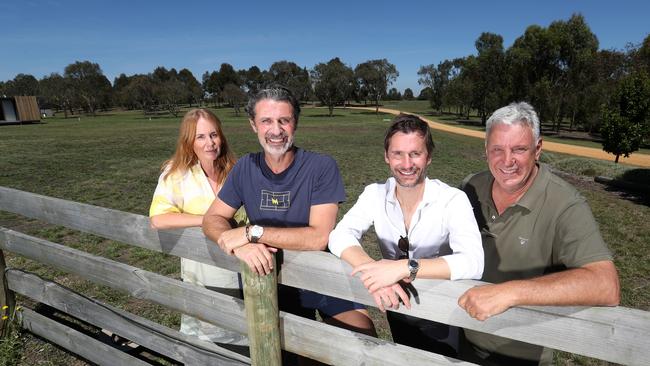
589, 152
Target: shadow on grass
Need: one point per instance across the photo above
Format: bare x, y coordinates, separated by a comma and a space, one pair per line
368, 113
640, 198
469, 122
3, 123
89, 330
633, 185
326, 115
452, 119
638, 176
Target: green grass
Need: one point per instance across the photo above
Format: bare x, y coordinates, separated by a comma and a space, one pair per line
414, 106
114, 160
11, 344
584, 166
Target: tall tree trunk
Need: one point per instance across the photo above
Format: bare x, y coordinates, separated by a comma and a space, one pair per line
573, 119
558, 113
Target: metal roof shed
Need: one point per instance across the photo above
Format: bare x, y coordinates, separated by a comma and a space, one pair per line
19, 109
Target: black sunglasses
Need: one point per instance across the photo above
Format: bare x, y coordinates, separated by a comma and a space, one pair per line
403, 245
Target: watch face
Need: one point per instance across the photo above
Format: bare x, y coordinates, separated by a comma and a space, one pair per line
413, 264
256, 231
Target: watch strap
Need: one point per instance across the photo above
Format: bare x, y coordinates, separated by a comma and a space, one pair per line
413, 269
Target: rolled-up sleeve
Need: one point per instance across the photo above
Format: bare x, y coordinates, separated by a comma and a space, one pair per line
166, 197
467, 258
355, 223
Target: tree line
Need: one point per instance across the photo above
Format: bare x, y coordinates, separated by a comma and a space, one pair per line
84, 87
558, 69
561, 72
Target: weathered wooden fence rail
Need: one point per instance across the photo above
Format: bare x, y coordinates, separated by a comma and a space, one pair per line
149, 334
618, 334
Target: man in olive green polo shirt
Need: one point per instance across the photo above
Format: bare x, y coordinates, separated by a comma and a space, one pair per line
542, 245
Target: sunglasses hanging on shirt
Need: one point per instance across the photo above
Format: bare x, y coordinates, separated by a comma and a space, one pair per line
403, 245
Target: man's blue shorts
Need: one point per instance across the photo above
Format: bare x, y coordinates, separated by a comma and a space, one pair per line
304, 302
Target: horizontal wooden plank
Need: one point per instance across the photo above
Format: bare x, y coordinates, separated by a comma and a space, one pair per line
173, 344
590, 331
215, 307
116, 225
614, 334
76, 342
299, 335
336, 346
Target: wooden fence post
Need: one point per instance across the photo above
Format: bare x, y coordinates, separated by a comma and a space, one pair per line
7, 300
262, 316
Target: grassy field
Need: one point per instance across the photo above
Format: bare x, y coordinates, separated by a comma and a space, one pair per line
113, 160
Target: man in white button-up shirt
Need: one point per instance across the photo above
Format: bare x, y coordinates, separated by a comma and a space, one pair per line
425, 229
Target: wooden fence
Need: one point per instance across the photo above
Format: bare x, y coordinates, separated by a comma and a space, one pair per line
615, 334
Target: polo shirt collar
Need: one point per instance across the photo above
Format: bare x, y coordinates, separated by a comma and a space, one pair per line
537, 189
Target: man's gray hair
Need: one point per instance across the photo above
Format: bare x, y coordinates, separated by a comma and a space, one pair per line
276, 93
514, 113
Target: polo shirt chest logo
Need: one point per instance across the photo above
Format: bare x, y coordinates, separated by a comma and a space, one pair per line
523, 241
275, 201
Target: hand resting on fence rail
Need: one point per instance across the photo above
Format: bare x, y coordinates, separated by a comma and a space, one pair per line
542, 244
425, 230
291, 197
617, 334
299, 335
188, 184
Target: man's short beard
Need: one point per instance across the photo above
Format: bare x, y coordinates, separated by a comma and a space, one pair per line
278, 151
420, 180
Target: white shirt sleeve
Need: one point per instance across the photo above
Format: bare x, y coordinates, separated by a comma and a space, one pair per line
466, 261
355, 223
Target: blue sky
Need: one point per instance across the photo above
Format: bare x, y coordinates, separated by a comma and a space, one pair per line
40, 37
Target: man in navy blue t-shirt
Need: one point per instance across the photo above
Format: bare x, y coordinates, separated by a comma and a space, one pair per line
291, 197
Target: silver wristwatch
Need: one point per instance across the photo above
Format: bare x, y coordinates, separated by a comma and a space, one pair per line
414, 266
256, 233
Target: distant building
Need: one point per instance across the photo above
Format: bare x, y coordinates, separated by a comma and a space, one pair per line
19, 109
